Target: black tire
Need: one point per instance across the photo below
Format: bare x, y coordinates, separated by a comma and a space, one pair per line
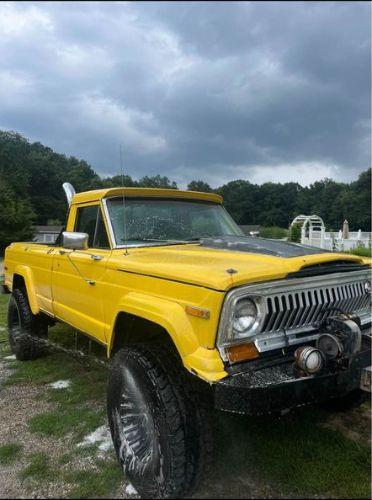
158, 428
25, 329
344, 403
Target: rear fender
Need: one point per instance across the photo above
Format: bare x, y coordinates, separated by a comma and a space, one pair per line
28, 278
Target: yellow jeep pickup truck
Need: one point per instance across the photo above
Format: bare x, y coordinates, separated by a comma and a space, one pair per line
191, 311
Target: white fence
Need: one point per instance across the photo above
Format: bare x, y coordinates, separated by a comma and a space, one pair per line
335, 241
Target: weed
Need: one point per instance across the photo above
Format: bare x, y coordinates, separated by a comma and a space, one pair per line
9, 453
38, 468
98, 482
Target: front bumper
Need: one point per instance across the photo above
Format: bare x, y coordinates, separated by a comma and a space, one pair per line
275, 389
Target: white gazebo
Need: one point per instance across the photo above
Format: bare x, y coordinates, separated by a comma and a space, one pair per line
312, 229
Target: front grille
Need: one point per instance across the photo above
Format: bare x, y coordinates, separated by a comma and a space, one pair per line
308, 307
290, 311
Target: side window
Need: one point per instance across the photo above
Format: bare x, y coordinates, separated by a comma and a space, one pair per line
86, 222
100, 239
89, 220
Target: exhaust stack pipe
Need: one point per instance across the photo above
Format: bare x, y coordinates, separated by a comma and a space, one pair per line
69, 191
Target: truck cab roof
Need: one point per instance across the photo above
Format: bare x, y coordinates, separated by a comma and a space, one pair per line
99, 194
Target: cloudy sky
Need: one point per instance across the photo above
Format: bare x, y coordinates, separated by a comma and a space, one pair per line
199, 90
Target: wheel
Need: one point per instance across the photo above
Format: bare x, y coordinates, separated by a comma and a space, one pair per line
348, 402
158, 428
25, 329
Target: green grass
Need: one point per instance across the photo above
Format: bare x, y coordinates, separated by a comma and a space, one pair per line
100, 482
295, 454
10, 453
87, 450
88, 383
362, 251
3, 309
38, 468
77, 421
4, 347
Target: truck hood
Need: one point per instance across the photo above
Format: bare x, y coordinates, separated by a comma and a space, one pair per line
224, 263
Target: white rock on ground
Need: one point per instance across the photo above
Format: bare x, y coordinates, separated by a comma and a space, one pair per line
60, 384
10, 358
101, 435
130, 490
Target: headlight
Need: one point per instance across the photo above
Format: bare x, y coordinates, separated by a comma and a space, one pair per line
245, 316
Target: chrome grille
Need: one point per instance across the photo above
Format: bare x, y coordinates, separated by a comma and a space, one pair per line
297, 309
291, 310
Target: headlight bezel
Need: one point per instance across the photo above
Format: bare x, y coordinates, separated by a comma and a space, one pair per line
240, 304
226, 335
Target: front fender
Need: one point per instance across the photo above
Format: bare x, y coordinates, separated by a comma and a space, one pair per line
206, 363
27, 275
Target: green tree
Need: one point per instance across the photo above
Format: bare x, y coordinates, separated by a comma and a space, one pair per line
157, 181
16, 217
34, 173
118, 181
201, 186
240, 199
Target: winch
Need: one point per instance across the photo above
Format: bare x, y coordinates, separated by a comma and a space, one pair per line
339, 340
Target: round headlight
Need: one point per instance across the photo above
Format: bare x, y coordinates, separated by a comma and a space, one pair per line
244, 317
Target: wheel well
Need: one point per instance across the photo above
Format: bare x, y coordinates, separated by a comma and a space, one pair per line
130, 329
18, 282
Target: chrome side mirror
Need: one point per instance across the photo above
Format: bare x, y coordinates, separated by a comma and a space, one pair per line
75, 241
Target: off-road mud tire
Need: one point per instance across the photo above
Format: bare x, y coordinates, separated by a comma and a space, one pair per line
164, 454
352, 400
25, 329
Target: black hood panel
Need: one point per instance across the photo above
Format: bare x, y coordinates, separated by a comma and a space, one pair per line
277, 248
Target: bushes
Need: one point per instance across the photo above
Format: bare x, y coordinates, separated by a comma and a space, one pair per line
274, 232
361, 250
295, 233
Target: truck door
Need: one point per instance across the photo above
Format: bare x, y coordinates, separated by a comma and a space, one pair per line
78, 278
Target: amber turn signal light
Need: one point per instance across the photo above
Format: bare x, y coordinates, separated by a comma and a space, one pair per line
242, 352
198, 312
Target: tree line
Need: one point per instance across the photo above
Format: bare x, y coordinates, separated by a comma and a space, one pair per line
31, 177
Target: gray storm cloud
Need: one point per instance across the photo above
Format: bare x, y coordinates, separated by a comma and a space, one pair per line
214, 91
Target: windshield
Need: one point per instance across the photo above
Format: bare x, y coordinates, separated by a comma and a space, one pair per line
146, 220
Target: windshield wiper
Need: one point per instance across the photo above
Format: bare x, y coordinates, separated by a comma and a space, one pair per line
170, 241
165, 241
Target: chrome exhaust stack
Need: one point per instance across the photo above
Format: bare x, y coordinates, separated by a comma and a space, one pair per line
69, 192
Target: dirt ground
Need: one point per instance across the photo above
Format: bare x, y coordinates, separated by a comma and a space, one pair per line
18, 403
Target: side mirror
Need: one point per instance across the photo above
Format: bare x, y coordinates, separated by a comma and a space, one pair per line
75, 241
